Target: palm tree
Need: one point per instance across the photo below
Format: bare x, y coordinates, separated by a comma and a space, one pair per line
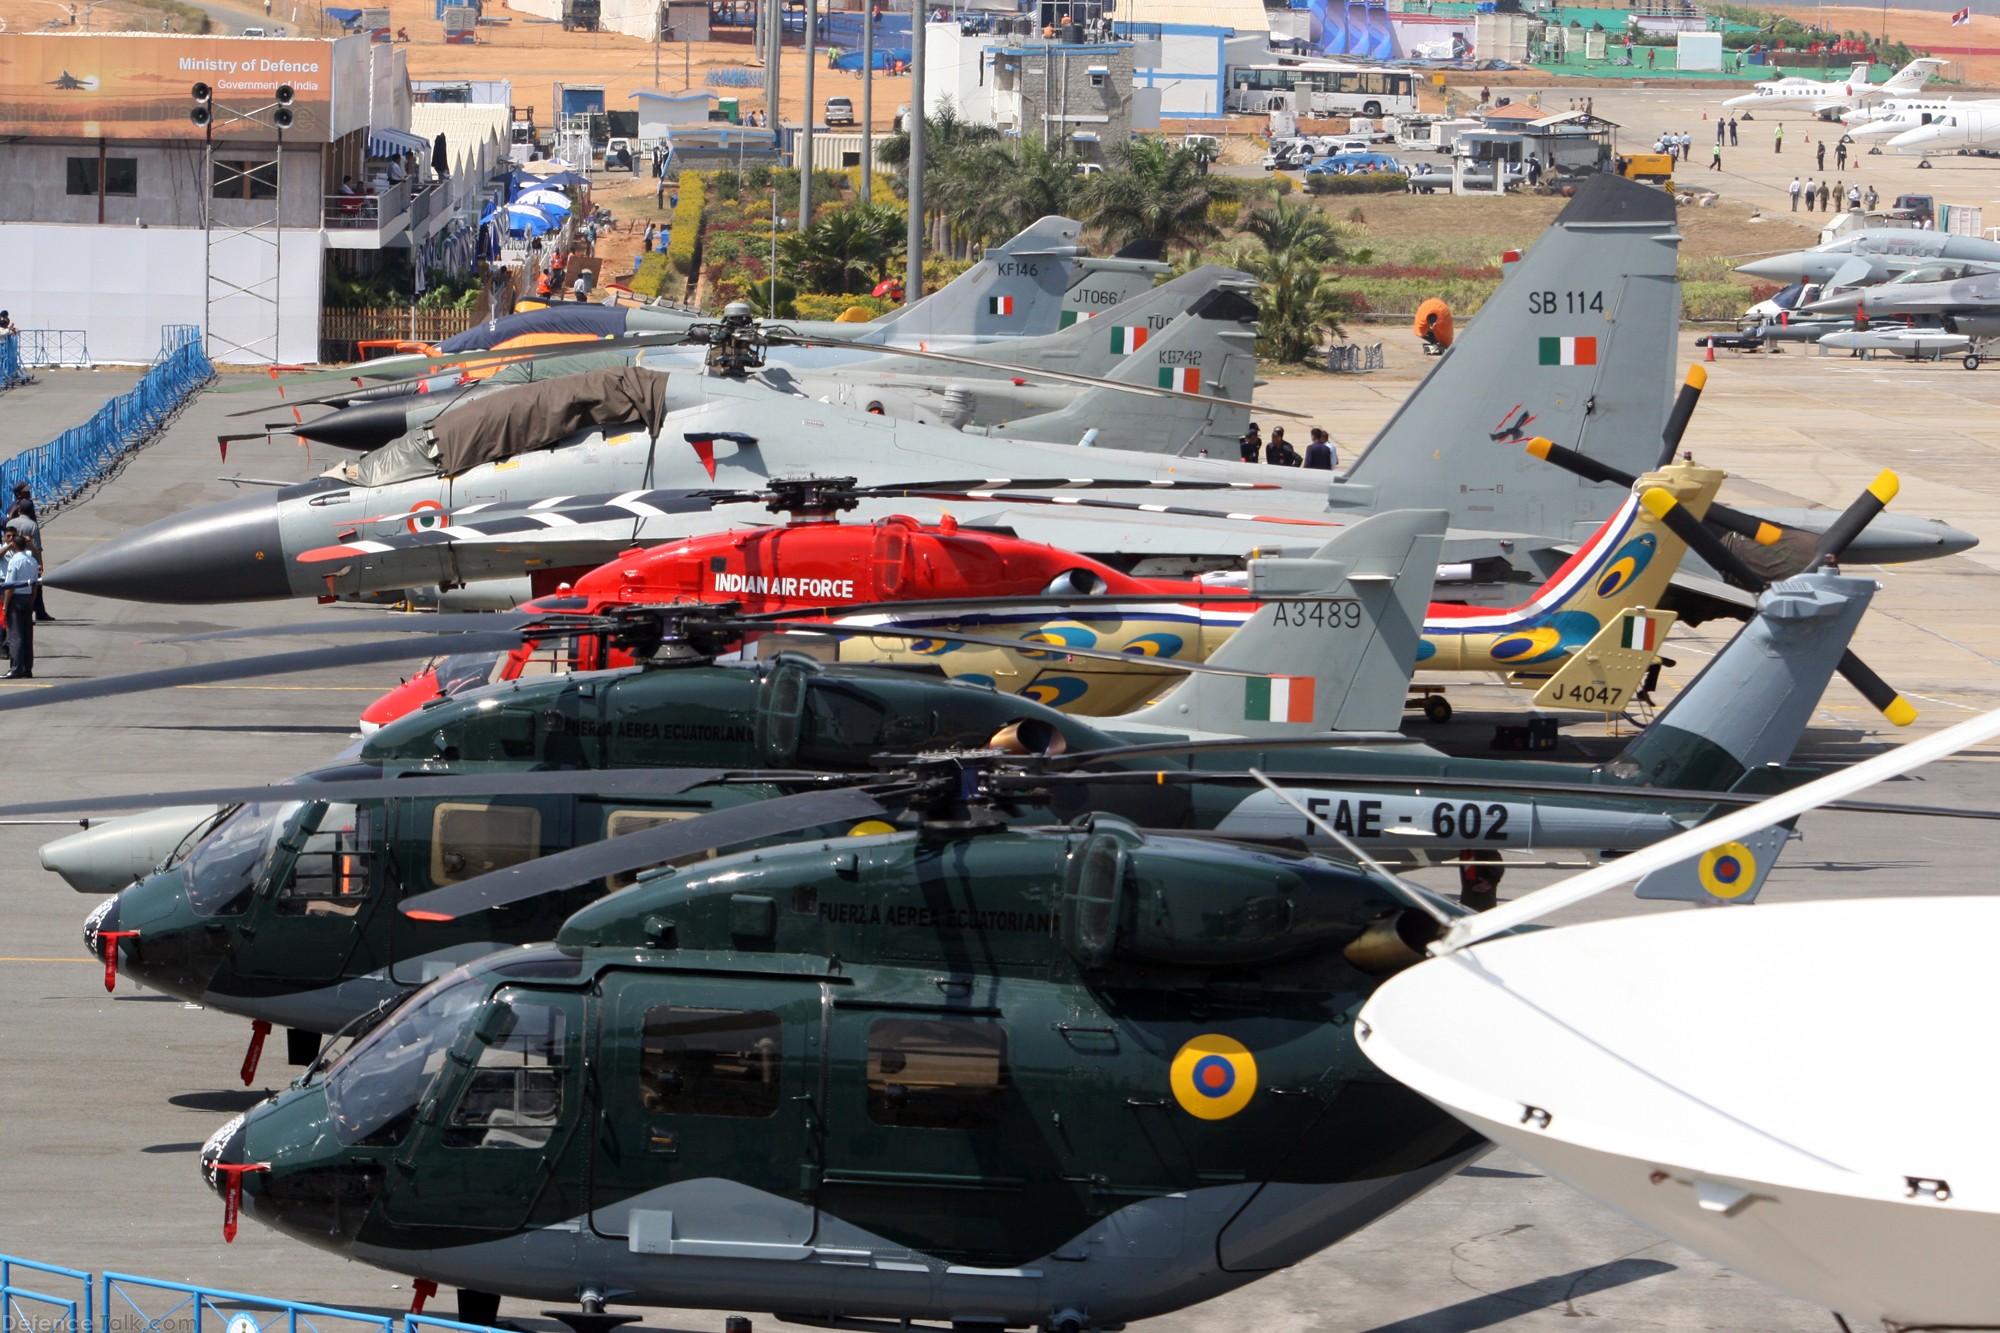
1155, 191
846, 250
1299, 299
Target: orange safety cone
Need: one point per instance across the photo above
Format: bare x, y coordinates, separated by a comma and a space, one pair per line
1711, 352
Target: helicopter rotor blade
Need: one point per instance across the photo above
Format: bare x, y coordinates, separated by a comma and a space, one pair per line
395, 622
644, 848
1875, 690
433, 786
278, 664
1086, 502
1680, 521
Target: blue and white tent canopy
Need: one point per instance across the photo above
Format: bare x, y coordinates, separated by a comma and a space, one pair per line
391, 142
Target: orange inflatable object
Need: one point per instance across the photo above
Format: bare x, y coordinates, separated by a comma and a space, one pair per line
1433, 323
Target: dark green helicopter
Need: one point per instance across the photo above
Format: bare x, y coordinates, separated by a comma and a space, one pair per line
316, 902
990, 1075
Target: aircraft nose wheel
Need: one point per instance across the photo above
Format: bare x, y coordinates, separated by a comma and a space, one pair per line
1972, 360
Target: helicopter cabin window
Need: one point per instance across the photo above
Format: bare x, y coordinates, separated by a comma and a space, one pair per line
330, 874
926, 1074
514, 1096
469, 840
548, 657
710, 1062
621, 822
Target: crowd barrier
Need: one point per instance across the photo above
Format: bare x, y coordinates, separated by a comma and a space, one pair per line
11, 371
80, 1302
84, 455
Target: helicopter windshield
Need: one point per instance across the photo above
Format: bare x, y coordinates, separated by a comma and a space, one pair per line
375, 1089
373, 1093
227, 864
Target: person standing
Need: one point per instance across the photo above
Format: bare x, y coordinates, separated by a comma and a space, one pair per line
1823, 196
1812, 194
1840, 155
18, 575
1732, 131
1819, 157
1687, 146
1721, 129
1319, 451
579, 289
1872, 199
1854, 198
1250, 445
1778, 140
24, 517
1715, 161
1279, 452
1796, 187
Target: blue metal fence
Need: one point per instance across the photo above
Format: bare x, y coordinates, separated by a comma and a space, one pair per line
124, 1303
86, 454
11, 372
69, 348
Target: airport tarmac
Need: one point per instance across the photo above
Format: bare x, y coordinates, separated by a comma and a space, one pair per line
109, 1096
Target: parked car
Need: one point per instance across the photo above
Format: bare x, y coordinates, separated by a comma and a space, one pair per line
839, 111
1086, 169
1348, 164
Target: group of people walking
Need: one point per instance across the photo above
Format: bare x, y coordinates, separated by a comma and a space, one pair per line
1819, 197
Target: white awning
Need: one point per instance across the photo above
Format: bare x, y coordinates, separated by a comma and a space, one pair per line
391, 142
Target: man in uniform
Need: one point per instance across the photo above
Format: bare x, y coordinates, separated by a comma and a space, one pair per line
18, 573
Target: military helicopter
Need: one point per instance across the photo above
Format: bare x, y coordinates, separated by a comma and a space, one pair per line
283, 913
1568, 640
1062, 1077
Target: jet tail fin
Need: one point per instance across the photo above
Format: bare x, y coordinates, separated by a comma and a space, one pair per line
1910, 78
1206, 354
1341, 666
1605, 674
1732, 872
1096, 345
1016, 288
1750, 706
1576, 345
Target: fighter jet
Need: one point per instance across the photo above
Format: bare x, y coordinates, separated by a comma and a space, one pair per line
1871, 255
1955, 295
1827, 100
1581, 333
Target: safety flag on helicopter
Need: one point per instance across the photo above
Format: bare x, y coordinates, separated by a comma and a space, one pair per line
1278, 699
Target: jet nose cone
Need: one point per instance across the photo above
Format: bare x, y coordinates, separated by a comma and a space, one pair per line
228, 552
1778, 268
1952, 540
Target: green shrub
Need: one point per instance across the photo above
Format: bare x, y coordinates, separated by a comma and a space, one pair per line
1374, 182
686, 222
820, 305
652, 276
1713, 300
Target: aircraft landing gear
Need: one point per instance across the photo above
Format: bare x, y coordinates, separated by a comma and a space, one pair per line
1430, 699
1971, 361
592, 1318
478, 1307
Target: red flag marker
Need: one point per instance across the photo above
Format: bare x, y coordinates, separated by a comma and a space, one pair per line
259, 1029
107, 940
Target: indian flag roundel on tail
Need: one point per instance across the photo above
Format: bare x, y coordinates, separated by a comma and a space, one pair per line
1182, 379
1004, 305
1127, 338
1278, 699
1569, 352
1641, 632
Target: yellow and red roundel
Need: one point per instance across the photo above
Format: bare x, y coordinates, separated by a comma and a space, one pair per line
1213, 1077
1728, 871
427, 516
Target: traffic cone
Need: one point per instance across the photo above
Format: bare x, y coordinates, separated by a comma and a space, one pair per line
1711, 352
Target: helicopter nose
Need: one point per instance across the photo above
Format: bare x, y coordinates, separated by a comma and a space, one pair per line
175, 951
228, 552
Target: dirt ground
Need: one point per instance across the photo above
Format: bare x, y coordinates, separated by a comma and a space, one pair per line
1975, 45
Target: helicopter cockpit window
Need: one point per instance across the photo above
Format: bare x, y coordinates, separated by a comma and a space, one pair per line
466, 671
926, 1074
710, 1062
227, 864
373, 1093
330, 874
469, 840
514, 1097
